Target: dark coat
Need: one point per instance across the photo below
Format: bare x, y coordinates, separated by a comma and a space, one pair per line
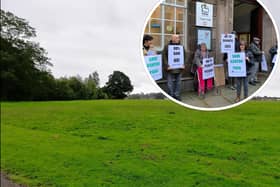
250, 62
256, 52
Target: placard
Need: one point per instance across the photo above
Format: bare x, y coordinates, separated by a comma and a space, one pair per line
154, 65
208, 68
204, 36
264, 63
228, 43
236, 65
204, 14
175, 56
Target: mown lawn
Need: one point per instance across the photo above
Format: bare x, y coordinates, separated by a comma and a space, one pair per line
140, 143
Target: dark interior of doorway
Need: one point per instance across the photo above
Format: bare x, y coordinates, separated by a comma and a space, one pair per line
248, 19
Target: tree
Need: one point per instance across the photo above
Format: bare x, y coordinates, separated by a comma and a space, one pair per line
62, 89
76, 84
118, 85
24, 64
92, 85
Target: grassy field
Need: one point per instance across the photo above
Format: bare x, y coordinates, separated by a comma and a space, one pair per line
140, 143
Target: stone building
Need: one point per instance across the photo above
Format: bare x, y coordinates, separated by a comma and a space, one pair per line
185, 17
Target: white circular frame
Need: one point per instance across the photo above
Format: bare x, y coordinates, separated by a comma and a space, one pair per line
214, 108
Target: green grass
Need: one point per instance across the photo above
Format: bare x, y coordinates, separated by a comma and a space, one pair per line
140, 143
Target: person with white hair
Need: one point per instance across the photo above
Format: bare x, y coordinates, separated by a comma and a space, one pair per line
173, 75
199, 55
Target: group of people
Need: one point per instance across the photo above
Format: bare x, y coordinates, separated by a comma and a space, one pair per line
173, 75
253, 58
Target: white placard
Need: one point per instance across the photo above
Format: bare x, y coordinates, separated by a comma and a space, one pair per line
154, 65
175, 56
264, 64
204, 14
236, 64
228, 43
208, 68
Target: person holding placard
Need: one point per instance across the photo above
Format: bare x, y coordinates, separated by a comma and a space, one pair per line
237, 42
200, 54
244, 80
274, 60
148, 45
233, 49
174, 61
273, 54
255, 49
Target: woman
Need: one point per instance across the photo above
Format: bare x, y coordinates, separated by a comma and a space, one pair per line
200, 54
244, 80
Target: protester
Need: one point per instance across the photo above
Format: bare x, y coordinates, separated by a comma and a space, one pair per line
237, 42
244, 80
148, 45
255, 49
274, 60
231, 80
273, 54
173, 75
200, 54
273, 51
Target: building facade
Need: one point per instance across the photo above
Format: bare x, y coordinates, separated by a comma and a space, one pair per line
205, 20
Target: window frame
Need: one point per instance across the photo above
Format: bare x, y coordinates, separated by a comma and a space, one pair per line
162, 19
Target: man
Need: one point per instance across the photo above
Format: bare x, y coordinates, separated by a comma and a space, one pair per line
173, 74
255, 49
148, 45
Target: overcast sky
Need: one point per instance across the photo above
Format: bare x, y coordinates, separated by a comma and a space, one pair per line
93, 35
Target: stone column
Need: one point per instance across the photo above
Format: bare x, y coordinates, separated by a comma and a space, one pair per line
225, 9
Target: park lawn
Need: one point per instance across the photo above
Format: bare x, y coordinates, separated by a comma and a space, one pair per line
140, 143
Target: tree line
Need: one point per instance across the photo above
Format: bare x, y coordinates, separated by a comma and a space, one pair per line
25, 73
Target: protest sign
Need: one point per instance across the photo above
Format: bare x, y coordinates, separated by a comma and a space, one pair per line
208, 68
154, 65
228, 43
264, 63
175, 56
237, 65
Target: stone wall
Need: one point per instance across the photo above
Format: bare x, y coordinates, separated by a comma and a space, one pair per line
269, 37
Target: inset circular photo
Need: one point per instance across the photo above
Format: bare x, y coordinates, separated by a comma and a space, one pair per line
211, 54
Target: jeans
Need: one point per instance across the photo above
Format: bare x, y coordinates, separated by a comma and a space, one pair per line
255, 69
239, 81
174, 85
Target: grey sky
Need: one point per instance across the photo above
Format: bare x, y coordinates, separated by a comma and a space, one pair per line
88, 35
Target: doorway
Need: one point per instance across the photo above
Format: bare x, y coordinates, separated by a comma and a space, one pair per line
248, 20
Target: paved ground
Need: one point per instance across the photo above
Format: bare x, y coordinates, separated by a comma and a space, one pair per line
224, 98
5, 182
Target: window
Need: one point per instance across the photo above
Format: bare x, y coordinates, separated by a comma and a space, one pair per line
167, 19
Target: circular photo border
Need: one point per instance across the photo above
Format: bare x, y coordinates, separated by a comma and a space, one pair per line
214, 108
